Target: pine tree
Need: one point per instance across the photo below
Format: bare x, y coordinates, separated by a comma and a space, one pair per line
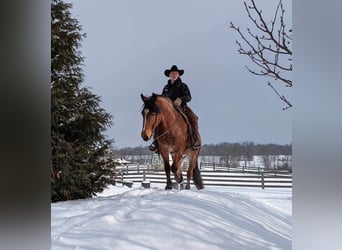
78, 144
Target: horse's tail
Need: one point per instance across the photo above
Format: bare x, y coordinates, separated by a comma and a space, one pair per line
197, 177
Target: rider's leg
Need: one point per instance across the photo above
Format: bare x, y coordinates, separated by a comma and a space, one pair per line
193, 119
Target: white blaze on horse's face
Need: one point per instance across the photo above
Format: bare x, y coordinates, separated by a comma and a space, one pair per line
148, 122
145, 112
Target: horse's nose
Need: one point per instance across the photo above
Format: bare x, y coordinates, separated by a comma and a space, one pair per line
144, 136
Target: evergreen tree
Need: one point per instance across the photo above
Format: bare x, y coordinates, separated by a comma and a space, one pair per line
79, 169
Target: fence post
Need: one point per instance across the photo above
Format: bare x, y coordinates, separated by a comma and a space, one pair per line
262, 180
144, 177
138, 168
214, 169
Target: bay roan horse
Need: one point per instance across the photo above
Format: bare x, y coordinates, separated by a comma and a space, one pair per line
170, 129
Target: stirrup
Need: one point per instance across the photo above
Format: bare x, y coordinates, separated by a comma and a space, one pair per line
153, 148
196, 145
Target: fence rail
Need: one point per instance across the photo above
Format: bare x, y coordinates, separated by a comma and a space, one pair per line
233, 177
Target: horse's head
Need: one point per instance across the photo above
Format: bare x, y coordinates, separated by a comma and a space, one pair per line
150, 116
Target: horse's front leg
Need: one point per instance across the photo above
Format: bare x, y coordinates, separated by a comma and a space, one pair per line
168, 176
177, 167
178, 173
188, 178
167, 168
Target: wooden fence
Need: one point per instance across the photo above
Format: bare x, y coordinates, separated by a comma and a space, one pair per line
239, 177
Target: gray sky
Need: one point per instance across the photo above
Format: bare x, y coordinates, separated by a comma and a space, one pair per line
129, 44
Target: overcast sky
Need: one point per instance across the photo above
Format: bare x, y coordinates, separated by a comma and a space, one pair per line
129, 44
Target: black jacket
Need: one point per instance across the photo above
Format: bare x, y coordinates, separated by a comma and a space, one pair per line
178, 89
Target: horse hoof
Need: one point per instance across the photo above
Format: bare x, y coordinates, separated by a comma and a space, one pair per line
187, 186
168, 187
179, 179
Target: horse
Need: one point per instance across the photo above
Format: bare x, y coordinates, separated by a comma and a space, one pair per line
170, 129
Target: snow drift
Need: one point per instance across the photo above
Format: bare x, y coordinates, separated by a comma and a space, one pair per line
138, 218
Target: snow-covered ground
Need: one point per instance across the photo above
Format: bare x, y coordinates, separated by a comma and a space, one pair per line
211, 218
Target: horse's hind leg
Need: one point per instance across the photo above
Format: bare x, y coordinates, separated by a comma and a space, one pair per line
173, 168
189, 174
193, 172
197, 178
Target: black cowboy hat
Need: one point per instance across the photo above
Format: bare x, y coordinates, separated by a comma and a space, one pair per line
173, 68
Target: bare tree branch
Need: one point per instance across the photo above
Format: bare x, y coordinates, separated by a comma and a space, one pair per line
282, 97
268, 46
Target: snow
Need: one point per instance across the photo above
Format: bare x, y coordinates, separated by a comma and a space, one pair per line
154, 218
121, 161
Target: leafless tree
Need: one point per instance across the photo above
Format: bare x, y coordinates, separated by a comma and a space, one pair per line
284, 162
267, 161
247, 153
269, 46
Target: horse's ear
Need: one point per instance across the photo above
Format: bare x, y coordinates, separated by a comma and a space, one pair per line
144, 98
154, 96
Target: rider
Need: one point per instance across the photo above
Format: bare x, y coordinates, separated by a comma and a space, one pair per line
179, 93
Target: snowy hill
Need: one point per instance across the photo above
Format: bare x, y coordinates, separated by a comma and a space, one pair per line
212, 218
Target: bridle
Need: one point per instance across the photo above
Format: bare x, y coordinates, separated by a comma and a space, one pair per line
155, 125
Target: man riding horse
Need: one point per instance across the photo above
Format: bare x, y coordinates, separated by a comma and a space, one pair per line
180, 94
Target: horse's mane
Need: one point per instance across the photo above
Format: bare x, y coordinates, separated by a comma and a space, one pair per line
166, 99
150, 103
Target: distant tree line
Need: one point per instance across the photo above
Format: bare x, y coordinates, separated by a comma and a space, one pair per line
246, 149
249, 148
